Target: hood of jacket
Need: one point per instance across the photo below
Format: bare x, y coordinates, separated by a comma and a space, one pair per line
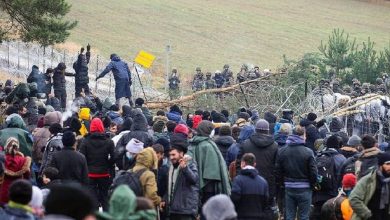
295, 140
52, 118
174, 116
147, 158
261, 140
281, 138
85, 114
115, 117
225, 141
15, 121
373, 151
96, 126
115, 58
271, 118
139, 122
245, 133
305, 122
107, 104
197, 139
252, 173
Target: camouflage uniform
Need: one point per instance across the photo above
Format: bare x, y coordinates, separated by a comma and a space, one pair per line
229, 80
241, 76
356, 88
226, 72
347, 90
198, 82
365, 88
380, 86
174, 85
209, 83
336, 87
386, 81
253, 74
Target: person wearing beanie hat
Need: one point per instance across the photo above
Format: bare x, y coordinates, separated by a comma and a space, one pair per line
335, 127
312, 133
263, 146
175, 114
98, 150
182, 129
16, 166
287, 117
219, 207
20, 193
71, 165
224, 140
183, 181
69, 201
370, 199
352, 148
159, 130
368, 160
214, 168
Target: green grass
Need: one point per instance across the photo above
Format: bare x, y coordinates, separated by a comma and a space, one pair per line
210, 33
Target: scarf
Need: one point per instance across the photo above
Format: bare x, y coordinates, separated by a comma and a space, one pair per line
385, 193
15, 205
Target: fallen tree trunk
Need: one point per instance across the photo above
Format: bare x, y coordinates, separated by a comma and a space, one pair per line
188, 98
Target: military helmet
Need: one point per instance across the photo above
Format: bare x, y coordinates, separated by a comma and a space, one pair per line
198, 69
385, 75
379, 81
226, 66
208, 74
174, 70
347, 89
366, 86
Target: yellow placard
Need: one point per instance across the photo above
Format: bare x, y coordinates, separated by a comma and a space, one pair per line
145, 59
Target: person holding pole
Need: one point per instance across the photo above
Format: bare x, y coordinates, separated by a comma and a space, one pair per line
122, 77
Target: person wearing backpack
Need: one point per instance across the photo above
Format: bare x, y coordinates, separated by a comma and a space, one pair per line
368, 160
98, 150
296, 170
54, 144
338, 208
312, 133
329, 162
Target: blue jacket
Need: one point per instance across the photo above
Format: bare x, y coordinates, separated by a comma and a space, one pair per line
119, 68
250, 194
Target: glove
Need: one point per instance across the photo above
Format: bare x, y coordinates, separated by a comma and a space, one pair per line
82, 50
88, 47
130, 83
97, 78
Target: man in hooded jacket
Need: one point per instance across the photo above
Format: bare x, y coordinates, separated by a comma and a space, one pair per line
59, 84
81, 69
122, 76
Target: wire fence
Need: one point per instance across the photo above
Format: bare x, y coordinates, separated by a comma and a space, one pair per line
17, 58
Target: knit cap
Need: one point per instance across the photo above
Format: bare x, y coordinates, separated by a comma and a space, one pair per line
219, 207
349, 180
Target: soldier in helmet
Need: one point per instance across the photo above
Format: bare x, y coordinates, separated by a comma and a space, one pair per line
356, 88
347, 90
241, 76
226, 72
218, 78
336, 87
253, 74
365, 89
198, 81
174, 85
380, 86
386, 81
229, 80
209, 83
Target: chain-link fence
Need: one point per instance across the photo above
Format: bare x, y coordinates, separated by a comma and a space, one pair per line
17, 58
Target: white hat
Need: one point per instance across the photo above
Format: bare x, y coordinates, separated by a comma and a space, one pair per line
134, 146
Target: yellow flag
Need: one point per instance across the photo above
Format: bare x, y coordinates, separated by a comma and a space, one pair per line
145, 59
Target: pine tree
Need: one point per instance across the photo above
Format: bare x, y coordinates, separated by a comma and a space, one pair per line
40, 21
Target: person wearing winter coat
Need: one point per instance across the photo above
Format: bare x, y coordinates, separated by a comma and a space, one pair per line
367, 161
124, 129
250, 190
59, 84
20, 194
54, 102
175, 114
370, 197
122, 77
81, 72
17, 166
17, 128
123, 205
139, 131
147, 160
182, 198
296, 170
47, 76
38, 78
284, 132
312, 133
53, 145
42, 135
213, 173
98, 150
263, 146
71, 165
224, 140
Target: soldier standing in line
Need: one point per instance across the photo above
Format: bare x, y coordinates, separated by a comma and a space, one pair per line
174, 85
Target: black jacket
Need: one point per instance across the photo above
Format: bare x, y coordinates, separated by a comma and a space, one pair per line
185, 197
223, 143
250, 195
296, 163
59, 80
71, 165
265, 149
98, 150
81, 68
312, 133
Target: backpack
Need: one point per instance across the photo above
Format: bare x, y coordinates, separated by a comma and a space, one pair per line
327, 171
331, 210
131, 179
350, 165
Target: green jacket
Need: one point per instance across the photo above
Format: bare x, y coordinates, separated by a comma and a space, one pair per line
123, 204
211, 165
361, 195
17, 128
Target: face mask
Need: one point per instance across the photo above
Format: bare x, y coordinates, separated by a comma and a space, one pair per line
347, 192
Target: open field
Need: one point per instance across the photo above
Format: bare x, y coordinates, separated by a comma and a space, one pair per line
210, 33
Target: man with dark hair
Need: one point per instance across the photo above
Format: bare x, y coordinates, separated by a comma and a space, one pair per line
122, 76
183, 181
370, 199
59, 83
20, 193
368, 160
296, 170
250, 190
